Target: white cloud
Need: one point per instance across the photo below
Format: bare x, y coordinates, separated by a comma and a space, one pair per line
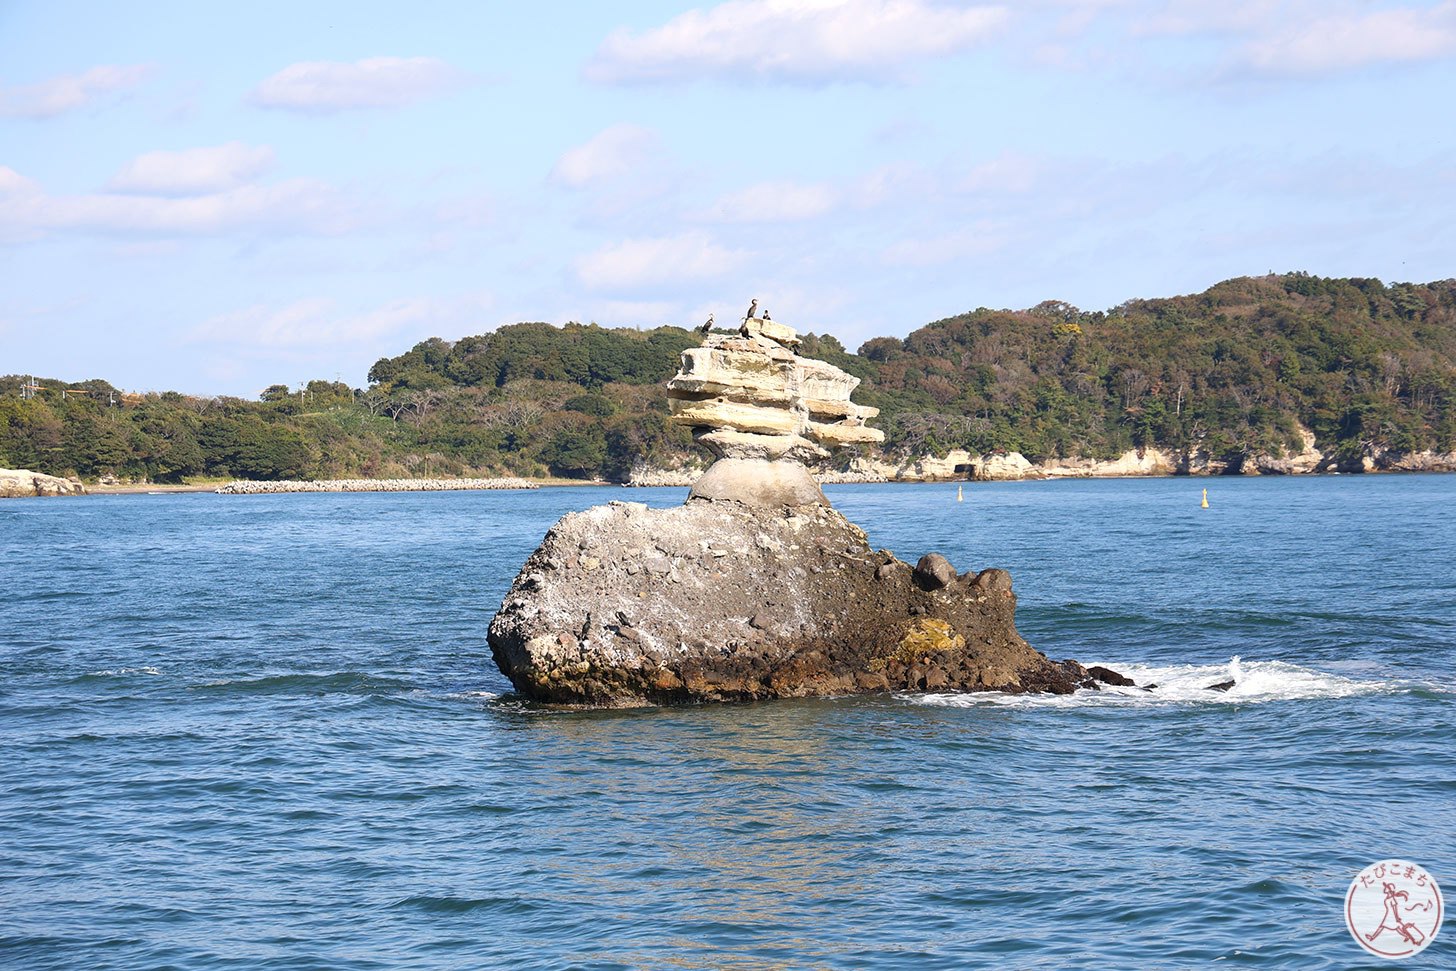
610, 154
1350, 40
13, 184
473, 211
1307, 37
804, 41
629, 313
193, 171
897, 181
311, 322
915, 185
950, 247
690, 257
321, 87
774, 202
1178, 17
1005, 173
901, 130
69, 92
295, 205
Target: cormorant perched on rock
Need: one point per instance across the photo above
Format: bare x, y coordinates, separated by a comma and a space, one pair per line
766, 316
752, 310
707, 325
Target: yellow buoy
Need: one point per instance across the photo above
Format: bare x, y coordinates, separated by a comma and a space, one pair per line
960, 496
1205, 498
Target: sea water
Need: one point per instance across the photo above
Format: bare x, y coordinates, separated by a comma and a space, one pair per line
266, 732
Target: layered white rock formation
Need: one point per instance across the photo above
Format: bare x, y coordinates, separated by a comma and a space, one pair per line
765, 412
19, 483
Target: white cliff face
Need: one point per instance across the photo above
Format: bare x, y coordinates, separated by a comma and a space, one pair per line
1150, 461
956, 464
1307, 459
1012, 465
765, 412
18, 483
959, 464
1425, 461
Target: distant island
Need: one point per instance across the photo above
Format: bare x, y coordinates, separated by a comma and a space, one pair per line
1280, 373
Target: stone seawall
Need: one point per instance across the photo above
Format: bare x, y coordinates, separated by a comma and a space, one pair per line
646, 477
244, 487
836, 477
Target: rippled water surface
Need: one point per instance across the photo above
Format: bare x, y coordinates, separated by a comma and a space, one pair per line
266, 732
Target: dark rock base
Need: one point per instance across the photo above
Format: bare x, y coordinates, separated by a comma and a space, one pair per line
716, 601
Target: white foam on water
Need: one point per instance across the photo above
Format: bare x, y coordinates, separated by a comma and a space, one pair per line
121, 672
476, 696
1255, 682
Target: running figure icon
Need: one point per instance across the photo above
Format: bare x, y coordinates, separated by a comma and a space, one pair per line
1391, 920
1393, 909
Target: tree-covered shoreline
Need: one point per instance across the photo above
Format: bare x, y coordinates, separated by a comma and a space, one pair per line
1234, 371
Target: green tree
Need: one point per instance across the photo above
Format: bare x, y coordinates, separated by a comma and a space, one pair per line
576, 452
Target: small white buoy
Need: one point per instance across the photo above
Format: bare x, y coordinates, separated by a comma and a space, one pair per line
1205, 498
960, 496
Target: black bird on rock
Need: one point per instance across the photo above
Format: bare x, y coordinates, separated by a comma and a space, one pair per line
707, 325
752, 312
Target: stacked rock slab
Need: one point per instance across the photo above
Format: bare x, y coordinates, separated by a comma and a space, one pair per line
755, 587
766, 413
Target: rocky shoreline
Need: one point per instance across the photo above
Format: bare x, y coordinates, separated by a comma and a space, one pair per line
1014, 467
1010, 466
956, 467
23, 483
247, 487
963, 465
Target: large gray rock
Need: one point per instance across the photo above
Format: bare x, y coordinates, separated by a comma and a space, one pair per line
714, 601
934, 571
760, 482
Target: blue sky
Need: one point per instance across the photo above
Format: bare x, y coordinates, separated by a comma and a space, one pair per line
214, 199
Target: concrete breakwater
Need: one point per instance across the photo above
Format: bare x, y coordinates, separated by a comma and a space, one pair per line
244, 487
837, 477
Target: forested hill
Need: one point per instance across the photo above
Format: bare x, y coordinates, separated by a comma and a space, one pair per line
1235, 370
1230, 370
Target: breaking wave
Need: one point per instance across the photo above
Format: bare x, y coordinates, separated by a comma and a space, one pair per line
1254, 682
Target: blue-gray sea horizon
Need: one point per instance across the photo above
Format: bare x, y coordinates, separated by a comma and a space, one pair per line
267, 732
